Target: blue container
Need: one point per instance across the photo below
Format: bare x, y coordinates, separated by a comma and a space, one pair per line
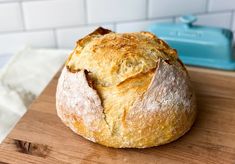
198, 45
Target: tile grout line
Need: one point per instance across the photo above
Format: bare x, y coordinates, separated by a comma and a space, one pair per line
26, 31
4, 2
172, 16
81, 25
207, 6
215, 12
55, 38
178, 15
147, 10
22, 15
15, 1
85, 11
115, 27
134, 20
232, 20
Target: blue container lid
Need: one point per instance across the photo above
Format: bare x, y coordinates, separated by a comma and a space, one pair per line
198, 45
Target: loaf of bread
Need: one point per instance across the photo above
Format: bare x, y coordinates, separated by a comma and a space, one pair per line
127, 90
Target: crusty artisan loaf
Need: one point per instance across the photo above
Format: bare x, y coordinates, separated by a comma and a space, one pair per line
125, 90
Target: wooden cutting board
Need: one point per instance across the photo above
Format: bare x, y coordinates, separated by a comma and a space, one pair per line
40, 136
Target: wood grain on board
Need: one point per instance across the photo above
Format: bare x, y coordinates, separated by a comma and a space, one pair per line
40, 136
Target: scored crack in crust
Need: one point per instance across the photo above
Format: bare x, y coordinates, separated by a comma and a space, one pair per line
125, 90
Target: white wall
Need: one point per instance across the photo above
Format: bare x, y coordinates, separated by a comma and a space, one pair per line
59, 23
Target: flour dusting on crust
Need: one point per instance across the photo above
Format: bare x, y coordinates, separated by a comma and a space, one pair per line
170, 86
76, 97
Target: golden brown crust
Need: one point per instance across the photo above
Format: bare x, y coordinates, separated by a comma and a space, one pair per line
136, 93
112, 58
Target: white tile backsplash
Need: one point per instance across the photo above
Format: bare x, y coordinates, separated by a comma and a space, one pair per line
10, 17
12, 42
59, 23
214, 19
138, 25
67, 37
115, 10
233, 24
218, 5
53, 13
164, 8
